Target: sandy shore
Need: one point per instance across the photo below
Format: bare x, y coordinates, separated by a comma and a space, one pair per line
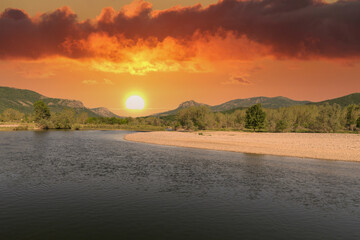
329, 146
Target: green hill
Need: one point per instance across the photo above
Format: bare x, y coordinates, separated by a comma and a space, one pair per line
23, 100
343, 101
266, 102
181, 106
230, 106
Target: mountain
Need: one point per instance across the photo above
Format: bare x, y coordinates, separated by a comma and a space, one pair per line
181, 106
343, 101
266, 102
23, 100
104, 112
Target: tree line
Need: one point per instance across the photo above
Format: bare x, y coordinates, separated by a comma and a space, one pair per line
303, 118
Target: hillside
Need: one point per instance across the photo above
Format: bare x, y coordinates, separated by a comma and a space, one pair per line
266, 102
343, 101
23, 100
181, 106
104, 112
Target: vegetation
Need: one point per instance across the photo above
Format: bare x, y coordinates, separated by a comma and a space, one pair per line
22, 100
303, 118
343, 101
255, 117
12, 115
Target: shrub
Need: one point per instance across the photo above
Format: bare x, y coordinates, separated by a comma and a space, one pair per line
75, 127
281, 126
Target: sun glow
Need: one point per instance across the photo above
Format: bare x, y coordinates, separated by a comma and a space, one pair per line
135, 103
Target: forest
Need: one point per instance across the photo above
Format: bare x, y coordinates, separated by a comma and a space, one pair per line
324, 118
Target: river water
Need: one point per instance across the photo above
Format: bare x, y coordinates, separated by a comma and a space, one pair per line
94, 185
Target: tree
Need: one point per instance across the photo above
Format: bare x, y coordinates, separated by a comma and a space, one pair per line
41, 111
351, 114
328, 119
12, 115
239, 118
281, 125
82, 117
255, 117
197, 117
64, 119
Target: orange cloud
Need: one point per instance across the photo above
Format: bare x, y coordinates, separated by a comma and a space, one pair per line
138, 40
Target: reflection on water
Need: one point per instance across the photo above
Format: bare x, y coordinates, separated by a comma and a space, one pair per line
95, 185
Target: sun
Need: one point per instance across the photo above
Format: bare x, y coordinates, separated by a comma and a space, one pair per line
135, 103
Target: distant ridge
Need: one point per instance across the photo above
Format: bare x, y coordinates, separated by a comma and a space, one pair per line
186, 104
23, 100
266, 102
104, 112
353, 98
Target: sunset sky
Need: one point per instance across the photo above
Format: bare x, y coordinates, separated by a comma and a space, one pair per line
170, 51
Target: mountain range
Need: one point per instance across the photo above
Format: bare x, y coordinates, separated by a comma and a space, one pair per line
266, 102
23, 100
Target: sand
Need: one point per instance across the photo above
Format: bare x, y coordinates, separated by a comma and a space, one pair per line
9, 125
330, 146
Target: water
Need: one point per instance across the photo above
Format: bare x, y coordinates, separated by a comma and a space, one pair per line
94, 185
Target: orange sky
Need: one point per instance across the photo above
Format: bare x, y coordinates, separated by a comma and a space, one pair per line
208, 54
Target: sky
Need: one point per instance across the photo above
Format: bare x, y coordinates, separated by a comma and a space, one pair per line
102, 52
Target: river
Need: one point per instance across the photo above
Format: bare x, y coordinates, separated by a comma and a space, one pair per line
95, 185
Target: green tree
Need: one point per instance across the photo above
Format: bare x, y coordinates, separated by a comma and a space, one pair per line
328, 119
351, 114
196, 117
65, 119
11, 115
82, 117
255, 117
281, 125
41, 112
239, 118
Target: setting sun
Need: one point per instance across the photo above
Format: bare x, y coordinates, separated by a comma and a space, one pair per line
135, 103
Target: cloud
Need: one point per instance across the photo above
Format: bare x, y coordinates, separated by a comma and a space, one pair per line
95, 82
89, 82
108, 81
137, 39
237, 80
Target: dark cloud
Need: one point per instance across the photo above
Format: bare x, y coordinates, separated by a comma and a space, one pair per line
289, 28
241, 80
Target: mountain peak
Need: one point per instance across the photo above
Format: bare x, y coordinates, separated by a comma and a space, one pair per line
104, 112
190, 103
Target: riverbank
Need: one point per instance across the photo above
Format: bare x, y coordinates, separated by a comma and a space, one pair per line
330, 146
124, 127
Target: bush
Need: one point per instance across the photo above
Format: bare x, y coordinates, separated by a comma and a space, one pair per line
21, 128
75, 127
196, 117
281, 126
12, 115
45, 124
